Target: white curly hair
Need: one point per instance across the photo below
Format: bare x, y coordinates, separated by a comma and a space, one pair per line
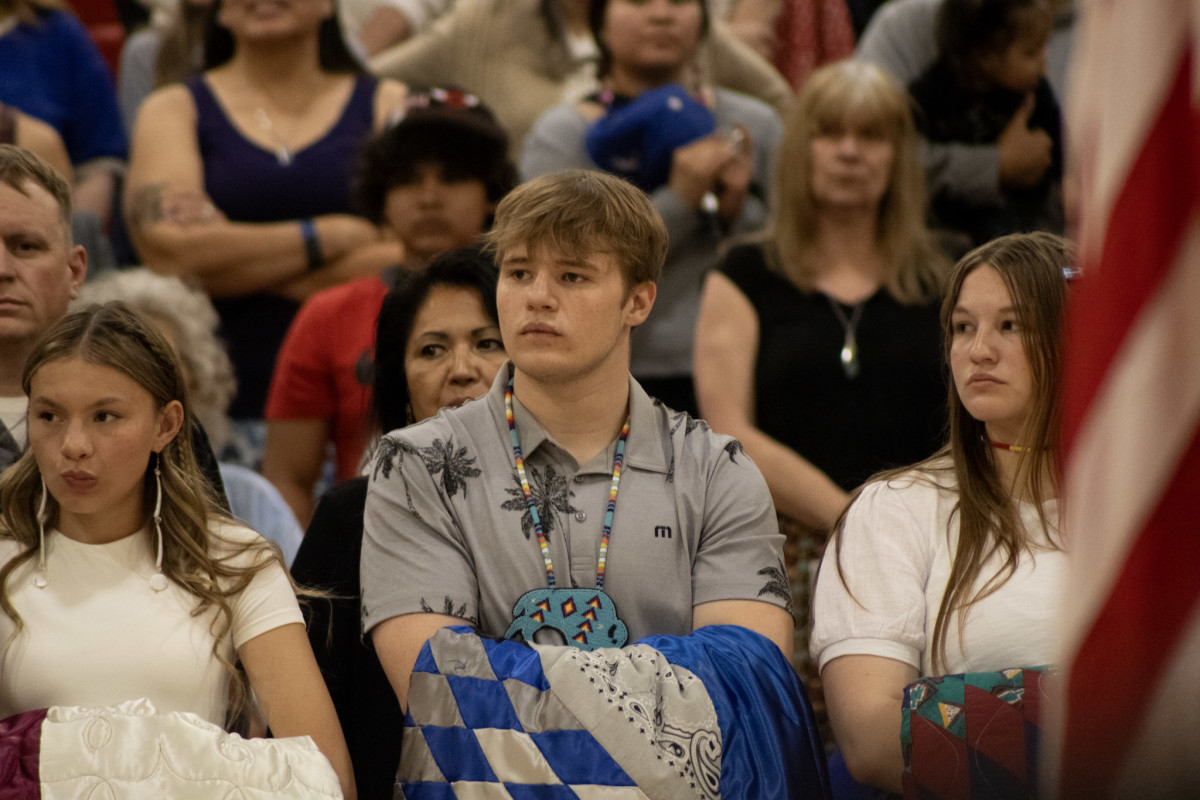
192, 327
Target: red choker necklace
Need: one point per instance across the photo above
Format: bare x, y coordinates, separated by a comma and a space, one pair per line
1015, 448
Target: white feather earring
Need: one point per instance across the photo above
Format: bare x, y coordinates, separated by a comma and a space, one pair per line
159, 581
40, 579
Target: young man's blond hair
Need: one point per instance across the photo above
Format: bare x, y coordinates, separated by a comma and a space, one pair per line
575, 212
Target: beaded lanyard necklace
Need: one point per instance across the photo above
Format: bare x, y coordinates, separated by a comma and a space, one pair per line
586, 617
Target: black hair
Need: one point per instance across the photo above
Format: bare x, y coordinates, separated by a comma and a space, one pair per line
467, 143
596, 11
465, 268
333, 53
551, 17
969, 30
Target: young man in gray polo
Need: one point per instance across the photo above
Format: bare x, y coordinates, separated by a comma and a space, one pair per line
566, 505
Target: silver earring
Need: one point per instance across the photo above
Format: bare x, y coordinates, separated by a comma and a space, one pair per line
159, 581
41, 578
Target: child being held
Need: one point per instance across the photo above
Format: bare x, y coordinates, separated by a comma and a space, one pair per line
988, 86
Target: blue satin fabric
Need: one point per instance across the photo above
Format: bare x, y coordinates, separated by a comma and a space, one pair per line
771, 747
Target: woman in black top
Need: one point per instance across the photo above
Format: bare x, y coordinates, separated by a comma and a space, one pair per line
818, 346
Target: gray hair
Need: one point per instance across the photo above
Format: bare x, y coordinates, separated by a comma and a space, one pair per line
193, 321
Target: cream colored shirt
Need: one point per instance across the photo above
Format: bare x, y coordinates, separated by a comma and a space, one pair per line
98, 635
898, 545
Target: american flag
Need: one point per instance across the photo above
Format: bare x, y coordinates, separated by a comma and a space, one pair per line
1129, 721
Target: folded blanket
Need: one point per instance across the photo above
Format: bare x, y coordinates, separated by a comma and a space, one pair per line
130, 751
973, 735
717, 713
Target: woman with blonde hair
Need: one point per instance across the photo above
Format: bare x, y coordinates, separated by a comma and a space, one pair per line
121, 577
817, 345
954, 565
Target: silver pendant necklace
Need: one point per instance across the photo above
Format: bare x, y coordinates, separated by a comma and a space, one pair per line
283, 153
849, 354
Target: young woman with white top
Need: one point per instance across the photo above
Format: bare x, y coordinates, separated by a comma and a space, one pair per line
956, 564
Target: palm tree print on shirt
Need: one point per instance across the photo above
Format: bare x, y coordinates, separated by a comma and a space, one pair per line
390, 455
455, 466
681, 419
450, 610
550, 495
777, 584
688, 422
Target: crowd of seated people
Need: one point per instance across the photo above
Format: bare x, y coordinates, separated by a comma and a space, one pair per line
782, 348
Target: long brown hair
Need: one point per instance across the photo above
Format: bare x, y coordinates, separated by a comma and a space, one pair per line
181, 52
988, 517
834, 96
196, 557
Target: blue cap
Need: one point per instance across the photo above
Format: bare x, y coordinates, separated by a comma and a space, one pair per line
637, 140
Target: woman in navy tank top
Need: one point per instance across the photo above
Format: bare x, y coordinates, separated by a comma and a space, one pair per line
240, 179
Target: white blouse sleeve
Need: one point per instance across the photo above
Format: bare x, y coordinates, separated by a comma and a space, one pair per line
267, 602
871, 600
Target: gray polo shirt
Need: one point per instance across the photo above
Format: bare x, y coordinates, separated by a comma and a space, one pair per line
447, 530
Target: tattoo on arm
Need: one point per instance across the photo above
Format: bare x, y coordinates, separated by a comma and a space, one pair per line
146, 206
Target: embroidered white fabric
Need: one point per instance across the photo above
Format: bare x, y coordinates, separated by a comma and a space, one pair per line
132, 752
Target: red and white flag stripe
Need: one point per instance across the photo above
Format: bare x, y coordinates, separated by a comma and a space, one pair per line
1129, 721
